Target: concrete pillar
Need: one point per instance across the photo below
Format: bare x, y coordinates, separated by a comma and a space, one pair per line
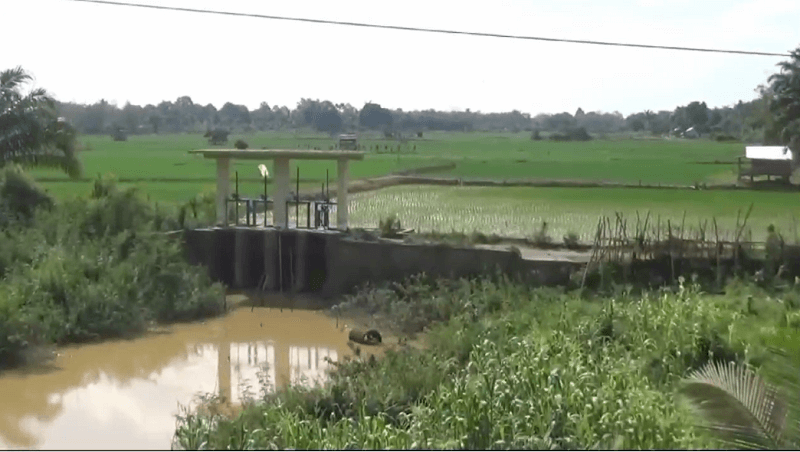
270, 259
300, 256
343, 176
223, 188
282, 189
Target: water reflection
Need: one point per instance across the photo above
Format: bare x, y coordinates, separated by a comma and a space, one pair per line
124, 394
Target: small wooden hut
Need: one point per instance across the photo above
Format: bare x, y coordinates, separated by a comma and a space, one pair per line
348, 142
770, 161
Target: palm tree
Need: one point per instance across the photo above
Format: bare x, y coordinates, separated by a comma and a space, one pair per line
30, 131
743, 410
786, 101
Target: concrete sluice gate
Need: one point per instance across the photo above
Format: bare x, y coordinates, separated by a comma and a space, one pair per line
330, 263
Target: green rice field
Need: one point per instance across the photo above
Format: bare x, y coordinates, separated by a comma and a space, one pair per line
519, 211
649, 161
162, 168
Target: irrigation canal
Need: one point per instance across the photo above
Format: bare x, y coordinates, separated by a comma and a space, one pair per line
125, 394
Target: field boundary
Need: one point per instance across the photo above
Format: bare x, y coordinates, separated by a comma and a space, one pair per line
377, 183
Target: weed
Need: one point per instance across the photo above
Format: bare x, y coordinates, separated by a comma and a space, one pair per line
571, 240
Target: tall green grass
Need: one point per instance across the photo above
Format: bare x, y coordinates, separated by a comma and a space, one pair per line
508, 367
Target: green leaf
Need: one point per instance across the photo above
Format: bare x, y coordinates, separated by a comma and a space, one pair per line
737, 404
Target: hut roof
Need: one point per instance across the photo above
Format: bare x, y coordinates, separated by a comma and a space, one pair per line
768, 152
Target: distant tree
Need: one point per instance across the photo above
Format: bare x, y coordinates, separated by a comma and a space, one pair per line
761, 119
207, 115
786, 102
262, 117
186, 113
93, 120
118, 133
31, 133
373, 116
240, 144
217, 136
155, 120
233, 115
648, 119
132, 116
697, 114
560, 121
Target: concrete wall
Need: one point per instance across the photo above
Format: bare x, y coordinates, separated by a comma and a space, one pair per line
331, 264
351, 263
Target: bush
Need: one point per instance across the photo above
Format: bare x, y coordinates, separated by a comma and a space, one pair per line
390, 226
572, 134
540, 237
20, 196
96, 268
536, 135
571, 240
240, 144
724, 138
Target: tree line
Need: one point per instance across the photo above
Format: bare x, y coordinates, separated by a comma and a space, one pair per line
751, 120
35, 129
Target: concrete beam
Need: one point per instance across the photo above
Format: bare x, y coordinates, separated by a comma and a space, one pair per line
343, 180
282, 188
223, 189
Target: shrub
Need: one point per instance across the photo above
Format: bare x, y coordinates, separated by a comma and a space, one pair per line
540, 237
572, 134
724, 137
96, 268
20, 196
571, 240
240, 144
390, 226
536, 135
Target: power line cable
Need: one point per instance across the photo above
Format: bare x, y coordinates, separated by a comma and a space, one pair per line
431, 30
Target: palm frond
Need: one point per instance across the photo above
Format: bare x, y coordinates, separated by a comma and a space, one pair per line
12, 79
30, 133
738, 405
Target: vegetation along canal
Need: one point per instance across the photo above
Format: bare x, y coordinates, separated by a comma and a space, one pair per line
125, 394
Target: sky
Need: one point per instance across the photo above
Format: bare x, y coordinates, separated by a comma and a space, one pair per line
83, 52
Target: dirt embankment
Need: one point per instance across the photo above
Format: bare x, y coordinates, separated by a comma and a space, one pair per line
414, 176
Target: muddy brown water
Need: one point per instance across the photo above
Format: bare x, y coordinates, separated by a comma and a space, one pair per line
125, 394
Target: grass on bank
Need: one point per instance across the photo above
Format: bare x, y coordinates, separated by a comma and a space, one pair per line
89, 269
508, 367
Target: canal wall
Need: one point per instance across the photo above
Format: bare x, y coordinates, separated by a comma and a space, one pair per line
330, 263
